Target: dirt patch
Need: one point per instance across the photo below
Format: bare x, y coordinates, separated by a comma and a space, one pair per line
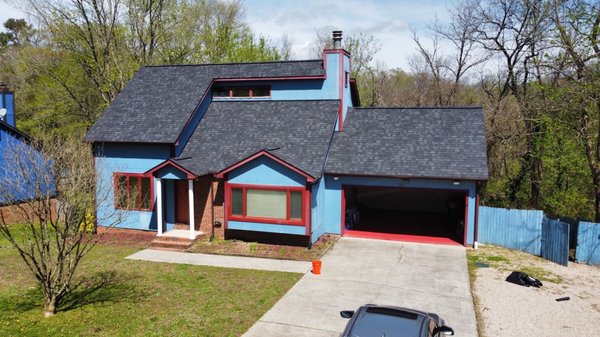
117, 237
506, 309
254, 249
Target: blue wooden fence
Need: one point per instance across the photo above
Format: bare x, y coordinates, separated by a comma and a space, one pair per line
555, 241
511, 228
588, 243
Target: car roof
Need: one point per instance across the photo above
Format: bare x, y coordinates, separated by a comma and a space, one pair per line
418, 312
377, 320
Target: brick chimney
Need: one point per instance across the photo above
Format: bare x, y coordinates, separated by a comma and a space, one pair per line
7, 105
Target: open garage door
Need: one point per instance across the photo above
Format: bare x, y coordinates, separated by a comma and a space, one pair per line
422, 215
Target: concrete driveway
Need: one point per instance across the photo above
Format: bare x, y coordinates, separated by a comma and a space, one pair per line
359, 271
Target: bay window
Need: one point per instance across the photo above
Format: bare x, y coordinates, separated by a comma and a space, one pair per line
283, 205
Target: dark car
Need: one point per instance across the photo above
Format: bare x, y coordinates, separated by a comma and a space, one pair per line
385, 321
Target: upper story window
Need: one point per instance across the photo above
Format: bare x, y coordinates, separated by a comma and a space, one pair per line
257, 91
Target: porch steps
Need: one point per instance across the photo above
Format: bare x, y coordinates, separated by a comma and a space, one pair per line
175, 243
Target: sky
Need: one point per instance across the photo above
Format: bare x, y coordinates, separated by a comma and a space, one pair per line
388, 21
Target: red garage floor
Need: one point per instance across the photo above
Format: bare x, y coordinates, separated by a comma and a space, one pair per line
405, 226
400, 237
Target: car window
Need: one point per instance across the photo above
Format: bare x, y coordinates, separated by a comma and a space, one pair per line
386, 322
432, 326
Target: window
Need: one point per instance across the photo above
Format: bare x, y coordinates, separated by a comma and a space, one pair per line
258, 91
284, 205
133, 192
261, 91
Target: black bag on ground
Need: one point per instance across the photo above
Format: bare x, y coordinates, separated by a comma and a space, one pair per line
523, 279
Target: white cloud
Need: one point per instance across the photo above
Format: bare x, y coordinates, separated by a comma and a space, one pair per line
387, 20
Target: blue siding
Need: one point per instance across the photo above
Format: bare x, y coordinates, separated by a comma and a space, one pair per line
128, 158
588, 243
269, 228
7, 101
331, 86
511, 228
265, 171
317, 210
11, 143
347, 97
332, 205
299, 90
170, 172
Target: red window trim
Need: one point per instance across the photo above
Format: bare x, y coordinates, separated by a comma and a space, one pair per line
251, 92
116, 175
290, 222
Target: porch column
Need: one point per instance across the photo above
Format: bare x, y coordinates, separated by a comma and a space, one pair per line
159, 215
191, 208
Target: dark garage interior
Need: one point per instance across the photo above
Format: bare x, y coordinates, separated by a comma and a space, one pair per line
419, 212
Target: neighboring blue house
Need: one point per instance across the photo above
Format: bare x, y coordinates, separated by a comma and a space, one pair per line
12, 141
278, 151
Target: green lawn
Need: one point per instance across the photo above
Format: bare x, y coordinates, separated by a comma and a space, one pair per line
136, 298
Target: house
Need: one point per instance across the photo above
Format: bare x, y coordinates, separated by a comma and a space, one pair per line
13, 144
280, 151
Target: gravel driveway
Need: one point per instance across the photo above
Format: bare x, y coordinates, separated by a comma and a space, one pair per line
359, 271
507, 309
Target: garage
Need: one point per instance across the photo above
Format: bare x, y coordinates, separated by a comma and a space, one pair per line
406, 174
422, 215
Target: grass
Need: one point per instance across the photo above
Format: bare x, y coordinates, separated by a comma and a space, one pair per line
541, 274
510, 260
118, 297
255, 249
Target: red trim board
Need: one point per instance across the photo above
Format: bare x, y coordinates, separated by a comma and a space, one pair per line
222, 173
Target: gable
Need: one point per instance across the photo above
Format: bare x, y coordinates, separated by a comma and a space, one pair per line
265, 171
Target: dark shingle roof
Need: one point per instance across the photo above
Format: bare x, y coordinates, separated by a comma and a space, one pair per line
157, 102
298, 132
411, 142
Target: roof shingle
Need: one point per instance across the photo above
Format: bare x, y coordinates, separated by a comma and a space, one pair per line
446, 143
157, 102
298, 132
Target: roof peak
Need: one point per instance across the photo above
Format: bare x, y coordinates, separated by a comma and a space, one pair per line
230, 63
418, 107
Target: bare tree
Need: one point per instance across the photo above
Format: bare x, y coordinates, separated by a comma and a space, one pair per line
361, 46
52, 187
513, 32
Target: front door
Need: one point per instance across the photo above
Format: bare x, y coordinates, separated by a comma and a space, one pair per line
182, 213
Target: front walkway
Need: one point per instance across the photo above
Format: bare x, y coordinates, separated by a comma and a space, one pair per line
355, 271
241, 262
